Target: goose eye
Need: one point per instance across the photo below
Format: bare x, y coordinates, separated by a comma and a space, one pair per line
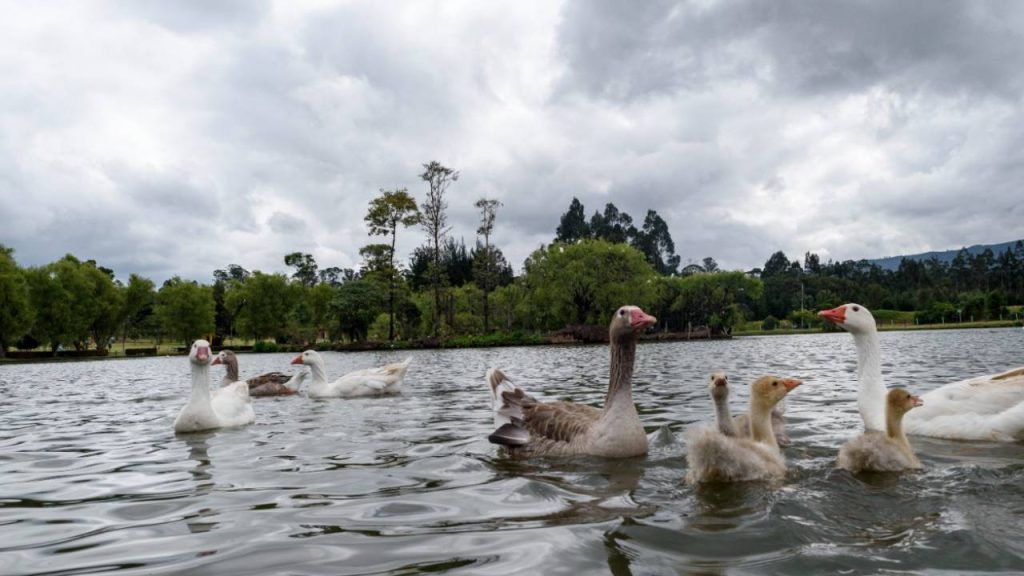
775, 383
856, 308
622, 312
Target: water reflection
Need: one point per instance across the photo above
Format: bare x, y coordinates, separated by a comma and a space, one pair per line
202, 475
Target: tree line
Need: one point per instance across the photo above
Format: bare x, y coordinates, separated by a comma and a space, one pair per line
448, 290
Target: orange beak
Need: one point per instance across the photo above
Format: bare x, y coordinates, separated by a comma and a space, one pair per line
836, 315
791, 383
297, 359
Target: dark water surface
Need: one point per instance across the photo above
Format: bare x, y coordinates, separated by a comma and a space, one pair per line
93, 479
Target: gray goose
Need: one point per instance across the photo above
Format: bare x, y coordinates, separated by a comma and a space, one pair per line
563, 428
268, 384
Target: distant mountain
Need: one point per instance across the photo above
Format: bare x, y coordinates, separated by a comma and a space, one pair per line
893, 262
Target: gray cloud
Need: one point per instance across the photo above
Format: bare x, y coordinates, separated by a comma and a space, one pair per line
174, 139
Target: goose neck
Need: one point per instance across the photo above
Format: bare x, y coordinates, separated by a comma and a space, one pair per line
894, 430
723, 416
871, 387
620, 381
318, 372
232, 370
200, 384
761, 421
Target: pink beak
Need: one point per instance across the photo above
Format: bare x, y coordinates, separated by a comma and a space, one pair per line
216, 360
640, 319
916, 401
202, 353
791, 383
297, 359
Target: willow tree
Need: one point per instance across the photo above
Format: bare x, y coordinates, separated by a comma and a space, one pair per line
435, 222
389, 210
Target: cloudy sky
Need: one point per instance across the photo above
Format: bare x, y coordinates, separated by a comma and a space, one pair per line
175, 138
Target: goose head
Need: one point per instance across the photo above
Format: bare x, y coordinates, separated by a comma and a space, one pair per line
719, 386
308, 358
199, 355
629, 320
901, 401
772, 389
226, 357
853, 318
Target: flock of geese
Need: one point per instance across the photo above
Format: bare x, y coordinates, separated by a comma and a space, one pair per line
733, 448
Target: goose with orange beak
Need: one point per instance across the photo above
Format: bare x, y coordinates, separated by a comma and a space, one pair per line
989, 407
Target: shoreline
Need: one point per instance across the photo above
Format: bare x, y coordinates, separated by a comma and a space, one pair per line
888, 328
456, 344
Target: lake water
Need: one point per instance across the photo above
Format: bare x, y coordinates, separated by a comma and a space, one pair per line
92, 478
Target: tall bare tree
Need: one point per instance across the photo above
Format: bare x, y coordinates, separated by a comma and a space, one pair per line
435, 221
387, 211
486, 270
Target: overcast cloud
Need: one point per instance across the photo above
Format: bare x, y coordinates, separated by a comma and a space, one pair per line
175, 138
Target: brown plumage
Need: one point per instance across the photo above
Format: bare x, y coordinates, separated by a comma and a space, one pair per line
563, 428
268, 384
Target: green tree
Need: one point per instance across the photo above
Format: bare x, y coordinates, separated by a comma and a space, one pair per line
486, 264
655, 242
264, 302
356, 304
572, 227
107, 311
719, 301
376, 262
585, 282
318, 301
225, 316
184, 309
139, 299
389, 210
305, 267
16, 312
613, 226
435, 221
52, 305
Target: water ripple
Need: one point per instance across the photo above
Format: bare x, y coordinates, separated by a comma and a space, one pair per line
93, 480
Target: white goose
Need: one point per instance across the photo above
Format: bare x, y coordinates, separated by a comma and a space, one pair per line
222, 408
987, 407
381, 381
